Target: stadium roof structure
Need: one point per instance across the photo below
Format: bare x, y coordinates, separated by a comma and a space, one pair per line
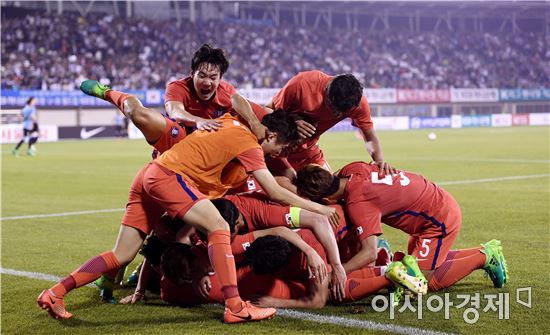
511, 15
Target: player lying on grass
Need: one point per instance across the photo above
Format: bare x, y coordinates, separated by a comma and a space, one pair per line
410, 203
182, 187
275, 270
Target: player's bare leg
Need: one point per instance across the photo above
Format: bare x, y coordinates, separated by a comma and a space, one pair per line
150, 122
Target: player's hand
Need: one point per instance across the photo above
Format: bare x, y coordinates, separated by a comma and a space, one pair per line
259, 130
305, 129
385, 168
132, 298
332, 215
337, 282
203, 286
207, 124
316, 266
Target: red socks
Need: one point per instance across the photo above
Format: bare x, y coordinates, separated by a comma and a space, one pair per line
117, 98
223, 262
88, 272
357, 288
453, 270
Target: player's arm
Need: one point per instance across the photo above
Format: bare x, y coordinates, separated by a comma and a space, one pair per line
244, 109
367, 255
374, 148
145, 275
316, 298
322, 230
176, 110
317, 267
284, 196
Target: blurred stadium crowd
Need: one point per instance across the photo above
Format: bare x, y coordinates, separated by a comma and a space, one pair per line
51, 52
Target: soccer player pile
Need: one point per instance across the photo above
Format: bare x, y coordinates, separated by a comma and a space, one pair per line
239, 205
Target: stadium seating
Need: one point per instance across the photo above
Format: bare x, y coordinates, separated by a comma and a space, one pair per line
51, 52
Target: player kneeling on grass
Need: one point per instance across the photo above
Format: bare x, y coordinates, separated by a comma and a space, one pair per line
413, 204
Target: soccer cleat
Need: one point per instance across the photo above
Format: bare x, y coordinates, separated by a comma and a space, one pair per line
397, 273
55, 306
106, 286
249, 312
412, 267
398, 294
495, 263
94, 88
31, 151
15, 153
502, 259
133, 278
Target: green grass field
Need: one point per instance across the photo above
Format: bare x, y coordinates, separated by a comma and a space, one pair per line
77, 176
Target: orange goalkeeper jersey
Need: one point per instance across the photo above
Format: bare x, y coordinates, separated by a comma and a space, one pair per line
202, 156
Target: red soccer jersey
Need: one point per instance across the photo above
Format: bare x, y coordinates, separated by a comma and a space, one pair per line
305, 93
407, 201
297, 268
183, 91
259, 212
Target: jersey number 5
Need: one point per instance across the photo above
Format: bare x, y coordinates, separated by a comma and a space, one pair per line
388, 179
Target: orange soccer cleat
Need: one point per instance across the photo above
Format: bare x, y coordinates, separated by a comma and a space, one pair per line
55, 306
248, 313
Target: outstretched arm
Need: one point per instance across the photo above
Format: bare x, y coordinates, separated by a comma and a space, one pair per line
317, 267
284, 196
176, 110
244, 109
317, 298
367, 255
323, 231
374, 147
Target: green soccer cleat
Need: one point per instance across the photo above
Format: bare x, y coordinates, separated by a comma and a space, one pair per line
133, 278
412, 268
495, 263
94, 88
15, 153
397, 273
398, 294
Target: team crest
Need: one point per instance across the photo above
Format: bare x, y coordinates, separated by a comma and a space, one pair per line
359, 230
251, 185
175, 131
288, 219
246, 245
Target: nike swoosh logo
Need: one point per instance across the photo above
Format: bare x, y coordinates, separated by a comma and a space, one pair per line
84, 134
51, 300
246, 318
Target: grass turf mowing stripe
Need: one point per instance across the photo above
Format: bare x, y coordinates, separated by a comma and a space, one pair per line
289, 313
443, 183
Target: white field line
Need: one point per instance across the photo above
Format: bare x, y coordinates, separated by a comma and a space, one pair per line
443, 183
490, 180
461, 159
332, 320
39, 216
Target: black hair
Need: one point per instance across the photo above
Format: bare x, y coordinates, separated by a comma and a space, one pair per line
267, 254
176, 262
29, 100
344, 93
152, 249
229, 212
210, 55
284, 124
315, 182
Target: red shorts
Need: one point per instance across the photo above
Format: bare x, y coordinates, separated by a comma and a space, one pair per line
433, 243
172, 134
170, 190
142, 212
311, 155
